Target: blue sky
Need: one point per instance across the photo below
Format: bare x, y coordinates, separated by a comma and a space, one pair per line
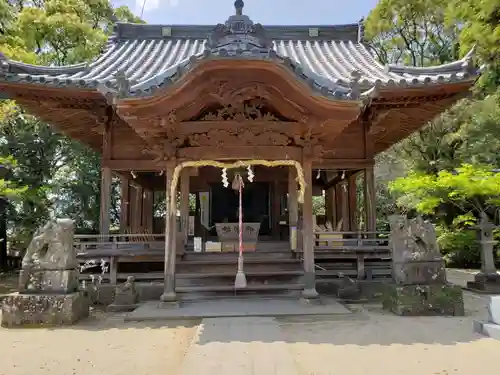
267, 12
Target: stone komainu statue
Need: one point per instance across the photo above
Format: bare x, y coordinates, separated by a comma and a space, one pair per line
415, 253
52, 247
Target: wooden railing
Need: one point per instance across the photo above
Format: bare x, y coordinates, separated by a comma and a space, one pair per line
369, 250
106, 251
362, 255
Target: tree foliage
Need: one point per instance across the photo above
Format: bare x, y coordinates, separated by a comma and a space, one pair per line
446, 169
63, 176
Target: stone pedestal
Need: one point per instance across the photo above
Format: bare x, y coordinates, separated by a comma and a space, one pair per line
413, 300
419, 273
126, 297
43, 309
491, 328
412, 272
486, 283
48, 281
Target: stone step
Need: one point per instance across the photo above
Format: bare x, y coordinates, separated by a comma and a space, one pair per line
228, 279
198, 275
231, 288
227, 267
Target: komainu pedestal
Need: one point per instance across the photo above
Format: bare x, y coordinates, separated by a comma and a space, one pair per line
48, 282
419, 273
126, 297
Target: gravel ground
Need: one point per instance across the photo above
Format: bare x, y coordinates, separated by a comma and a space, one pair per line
390, 345
102, 345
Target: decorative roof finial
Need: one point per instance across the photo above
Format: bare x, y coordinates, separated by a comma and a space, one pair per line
238, 5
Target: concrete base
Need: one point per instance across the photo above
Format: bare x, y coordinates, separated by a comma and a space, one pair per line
487, 329
43, 309
415, 300
235, 307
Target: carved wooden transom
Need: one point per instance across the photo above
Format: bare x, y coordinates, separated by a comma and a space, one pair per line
250, 110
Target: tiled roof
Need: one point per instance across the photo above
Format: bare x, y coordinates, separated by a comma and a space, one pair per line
142, 58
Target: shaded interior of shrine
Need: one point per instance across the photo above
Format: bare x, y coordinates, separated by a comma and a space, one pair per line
268, 201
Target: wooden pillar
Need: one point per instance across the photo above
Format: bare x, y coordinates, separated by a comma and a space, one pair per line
370, 196
353, 219
184, 206
330, 209
147, 210
136, 198
124, 204
276, 209
293, 209
308, 234
169, 294
132, 213
344, 192
106, 177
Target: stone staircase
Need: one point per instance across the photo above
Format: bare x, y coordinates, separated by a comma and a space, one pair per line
269, 273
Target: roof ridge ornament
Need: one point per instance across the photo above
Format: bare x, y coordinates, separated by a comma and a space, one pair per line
239, 32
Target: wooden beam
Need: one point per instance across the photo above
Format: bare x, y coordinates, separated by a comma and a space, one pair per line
133, 165
339, 178
342, 163
240, 153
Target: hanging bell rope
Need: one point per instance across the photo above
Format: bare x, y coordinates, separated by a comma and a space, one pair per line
240, 281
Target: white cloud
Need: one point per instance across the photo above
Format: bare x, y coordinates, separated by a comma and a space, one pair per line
150, 5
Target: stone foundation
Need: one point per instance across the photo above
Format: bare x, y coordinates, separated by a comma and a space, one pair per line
48, 281
485, 283
43, 309
413, 300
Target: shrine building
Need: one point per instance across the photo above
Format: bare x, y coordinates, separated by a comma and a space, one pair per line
297, 111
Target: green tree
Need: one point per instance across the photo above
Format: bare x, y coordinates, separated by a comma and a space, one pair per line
52, 32
9, 190
411, 32
479, 22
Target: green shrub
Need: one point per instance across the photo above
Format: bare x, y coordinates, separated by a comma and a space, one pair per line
459, 247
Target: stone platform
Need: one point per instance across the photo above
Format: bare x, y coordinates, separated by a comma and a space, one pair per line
43, 309
235, 307
413, 300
